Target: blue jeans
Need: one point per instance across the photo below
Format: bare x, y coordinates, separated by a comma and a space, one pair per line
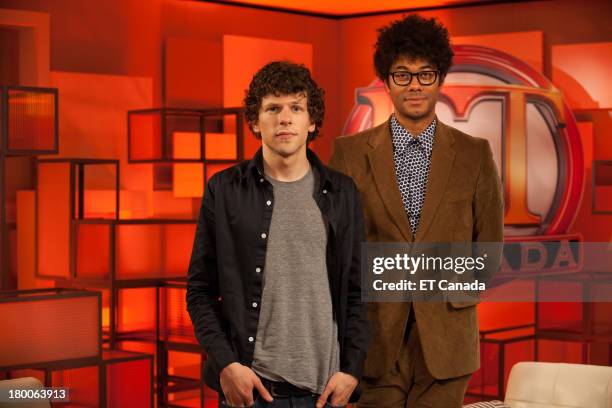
307, 401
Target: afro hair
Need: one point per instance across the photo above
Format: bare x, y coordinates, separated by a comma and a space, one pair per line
414, 37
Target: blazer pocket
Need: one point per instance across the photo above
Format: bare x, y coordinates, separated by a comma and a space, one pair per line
465, 304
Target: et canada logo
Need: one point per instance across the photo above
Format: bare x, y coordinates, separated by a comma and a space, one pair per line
533, 135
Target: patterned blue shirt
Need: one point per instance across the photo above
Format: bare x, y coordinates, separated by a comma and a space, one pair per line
412, 157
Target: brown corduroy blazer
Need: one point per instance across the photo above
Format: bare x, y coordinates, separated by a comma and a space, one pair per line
463, 203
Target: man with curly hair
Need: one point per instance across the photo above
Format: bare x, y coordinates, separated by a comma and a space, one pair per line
274, 287
420, 181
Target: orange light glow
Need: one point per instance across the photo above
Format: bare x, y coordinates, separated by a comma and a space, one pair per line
93, 250
220, 146
46, 334
188, 177
348, 7
136, 310
53, 215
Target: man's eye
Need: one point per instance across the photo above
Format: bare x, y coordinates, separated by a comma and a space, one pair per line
272, 109
297, 108
402, 75
425, 75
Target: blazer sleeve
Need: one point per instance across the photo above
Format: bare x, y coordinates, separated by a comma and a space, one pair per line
203, 297
488, 209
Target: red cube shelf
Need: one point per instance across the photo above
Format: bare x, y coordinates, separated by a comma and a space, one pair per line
172, 135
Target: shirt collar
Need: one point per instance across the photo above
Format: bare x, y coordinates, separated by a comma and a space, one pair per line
255, 168
402, 138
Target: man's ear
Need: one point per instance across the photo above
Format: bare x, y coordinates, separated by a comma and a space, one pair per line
312, 127
386, 84
255, 127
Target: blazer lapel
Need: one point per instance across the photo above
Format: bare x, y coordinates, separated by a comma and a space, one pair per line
442, 158
383, 170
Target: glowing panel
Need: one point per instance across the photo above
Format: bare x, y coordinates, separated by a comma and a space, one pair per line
100, 190
53, 219
57, 327
188, 178
138, 250
136, 310
26, 229
144, 136
177, 321
184, 364
153, 250
582, 72
93, 255
32, 121
220, 146
128, 379
177, 246
83, 384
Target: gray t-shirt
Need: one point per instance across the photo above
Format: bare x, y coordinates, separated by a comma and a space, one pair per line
297, 338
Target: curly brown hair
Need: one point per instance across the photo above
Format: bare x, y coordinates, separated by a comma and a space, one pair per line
284, 78
414, 37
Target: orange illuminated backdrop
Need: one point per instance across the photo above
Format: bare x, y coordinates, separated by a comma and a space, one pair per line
124, 227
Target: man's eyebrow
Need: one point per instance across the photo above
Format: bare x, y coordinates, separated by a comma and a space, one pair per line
270, 104
421, 67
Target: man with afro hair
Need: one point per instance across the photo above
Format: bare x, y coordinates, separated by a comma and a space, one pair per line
274, 289
420, 181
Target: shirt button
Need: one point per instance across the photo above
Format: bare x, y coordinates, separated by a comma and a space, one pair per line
261, 180
268, 202
254, 304
251, 339
258, 270
324, 191
264, 235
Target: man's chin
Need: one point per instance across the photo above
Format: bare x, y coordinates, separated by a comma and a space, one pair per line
417, 115
286, 151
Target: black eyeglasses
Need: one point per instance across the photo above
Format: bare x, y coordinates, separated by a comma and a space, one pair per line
404, 78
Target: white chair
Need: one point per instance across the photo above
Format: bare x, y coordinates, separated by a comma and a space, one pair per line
25, 383
559, 385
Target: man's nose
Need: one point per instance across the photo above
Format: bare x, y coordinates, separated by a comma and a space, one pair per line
414, 83
285, 115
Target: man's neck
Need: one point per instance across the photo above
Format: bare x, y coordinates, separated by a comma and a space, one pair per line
415, 126
290, 168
